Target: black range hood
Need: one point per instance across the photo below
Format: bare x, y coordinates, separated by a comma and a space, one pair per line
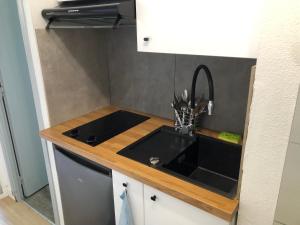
91, 14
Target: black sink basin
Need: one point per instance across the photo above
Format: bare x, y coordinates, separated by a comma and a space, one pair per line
211, 163
163, 143
201, 160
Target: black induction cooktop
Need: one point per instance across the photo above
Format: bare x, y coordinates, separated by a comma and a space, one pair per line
102, 129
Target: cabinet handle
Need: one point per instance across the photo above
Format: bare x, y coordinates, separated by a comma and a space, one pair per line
146, 39
125, 184
153, 198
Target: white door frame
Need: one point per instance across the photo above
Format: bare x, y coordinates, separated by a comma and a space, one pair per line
8, 151
4, 177
8, 170
39, 96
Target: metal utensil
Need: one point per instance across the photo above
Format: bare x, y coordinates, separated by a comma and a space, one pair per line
185, 96
176, 102
178, 117
176, 99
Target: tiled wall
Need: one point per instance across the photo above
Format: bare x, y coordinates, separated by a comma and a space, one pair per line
142, 81
74, 65
288, 204
84, 69
147, 81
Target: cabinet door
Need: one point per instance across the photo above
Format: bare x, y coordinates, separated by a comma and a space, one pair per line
200, 27
135, 194
162, 209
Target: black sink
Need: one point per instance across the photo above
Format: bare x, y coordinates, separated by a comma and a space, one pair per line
211, 163
201, 160
163, 143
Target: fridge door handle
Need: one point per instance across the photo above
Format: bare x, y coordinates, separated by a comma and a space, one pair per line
84, 162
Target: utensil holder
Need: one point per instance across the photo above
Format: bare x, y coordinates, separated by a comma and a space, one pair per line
187, 119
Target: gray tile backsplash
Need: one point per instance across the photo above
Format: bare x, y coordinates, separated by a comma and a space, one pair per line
141, 81
85, 69
231, 78
75, 74
146, 81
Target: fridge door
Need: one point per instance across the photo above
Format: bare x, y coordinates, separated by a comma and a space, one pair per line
86, 190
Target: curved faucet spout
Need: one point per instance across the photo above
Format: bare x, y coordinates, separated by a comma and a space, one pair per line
210, 86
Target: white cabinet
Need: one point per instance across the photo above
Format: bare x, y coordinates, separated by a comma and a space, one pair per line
163, 209
200, 27
135, 194
152, 207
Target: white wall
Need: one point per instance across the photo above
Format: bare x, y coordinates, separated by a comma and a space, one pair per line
29, 12
4, 180
36, 7
288, 204
271, 113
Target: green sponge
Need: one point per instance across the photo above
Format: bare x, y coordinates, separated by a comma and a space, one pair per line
230, 137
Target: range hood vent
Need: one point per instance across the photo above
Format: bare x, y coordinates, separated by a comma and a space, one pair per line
91, 14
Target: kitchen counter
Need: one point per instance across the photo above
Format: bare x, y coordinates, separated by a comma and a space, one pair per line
106, 154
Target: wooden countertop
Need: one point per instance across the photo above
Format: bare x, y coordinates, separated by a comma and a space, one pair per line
105, 154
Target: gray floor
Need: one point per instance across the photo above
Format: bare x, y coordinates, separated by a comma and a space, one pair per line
41, 202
